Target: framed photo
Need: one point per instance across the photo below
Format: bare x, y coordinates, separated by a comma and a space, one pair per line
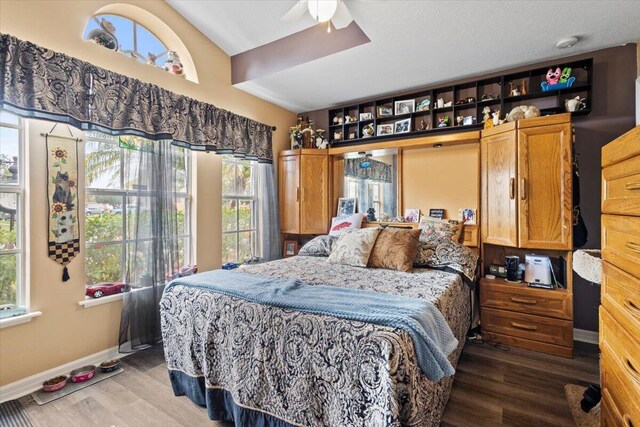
352, 135
405, 107
411, 215
385, 111
468, 216
366, 116
467, 120
346, 206
385, 130
290, 248
403, 126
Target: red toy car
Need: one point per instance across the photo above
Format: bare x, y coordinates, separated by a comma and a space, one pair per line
106, 288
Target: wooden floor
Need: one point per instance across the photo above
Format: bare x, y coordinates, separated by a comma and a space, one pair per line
492, 388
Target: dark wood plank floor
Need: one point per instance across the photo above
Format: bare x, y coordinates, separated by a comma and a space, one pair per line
492, 388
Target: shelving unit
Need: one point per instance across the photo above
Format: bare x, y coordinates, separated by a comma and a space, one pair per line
551, 102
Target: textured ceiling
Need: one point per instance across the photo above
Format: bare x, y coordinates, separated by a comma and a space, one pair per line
413, 43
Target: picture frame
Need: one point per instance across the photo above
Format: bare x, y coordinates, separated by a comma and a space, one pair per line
384, 130
468, 216
366, 116
402, 126
406, 106
352, 135
412, 215
467, 120
384, 111
289, 248
346, 206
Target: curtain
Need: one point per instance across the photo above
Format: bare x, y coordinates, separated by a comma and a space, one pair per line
39, 83
268, 218
152, 222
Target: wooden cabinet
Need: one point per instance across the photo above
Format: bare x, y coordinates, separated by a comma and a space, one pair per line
620, 309
304, 191
526, 184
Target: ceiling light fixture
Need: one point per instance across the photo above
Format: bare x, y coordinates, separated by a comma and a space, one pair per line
322, 10
566, 42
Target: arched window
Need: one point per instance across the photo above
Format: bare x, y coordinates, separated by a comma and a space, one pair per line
133, 40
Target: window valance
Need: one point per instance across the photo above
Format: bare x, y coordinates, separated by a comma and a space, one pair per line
373, 169
40, 83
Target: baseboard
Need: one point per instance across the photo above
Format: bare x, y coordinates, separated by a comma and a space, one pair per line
30, 384
583, 335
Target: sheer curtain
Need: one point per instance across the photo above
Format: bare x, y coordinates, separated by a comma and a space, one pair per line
268, 213
153, 250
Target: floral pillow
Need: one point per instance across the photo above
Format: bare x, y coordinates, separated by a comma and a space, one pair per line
440, 228
443, 254
318, 246
340, 224
354, 247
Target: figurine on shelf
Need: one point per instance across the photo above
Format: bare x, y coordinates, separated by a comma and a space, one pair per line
349, 119
488, 97
513, 91
368, 130
340, 120
448, 104
371, 215
522, 112
440, 103
443, 122
488, 124
496, 118
173, 64
423, 125
337, 135
459, 120
566, 74
486, 111
335, 120
575, 104
553, 76
523, 87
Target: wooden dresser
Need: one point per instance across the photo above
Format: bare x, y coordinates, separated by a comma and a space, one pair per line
526, 194
620, 309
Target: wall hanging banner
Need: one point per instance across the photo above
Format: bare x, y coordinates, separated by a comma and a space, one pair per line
41, 83
62, 177
374, 170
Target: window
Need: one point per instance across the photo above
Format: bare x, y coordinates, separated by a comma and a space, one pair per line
372, 195
239, 201
127, 37
12, 257
112, 192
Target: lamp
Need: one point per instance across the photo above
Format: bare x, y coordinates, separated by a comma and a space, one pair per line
322, 10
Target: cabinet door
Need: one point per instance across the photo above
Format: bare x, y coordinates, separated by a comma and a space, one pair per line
499, 192
289, 179
314, 194
545, 193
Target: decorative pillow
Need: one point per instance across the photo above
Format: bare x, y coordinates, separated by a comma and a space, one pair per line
318, 246
353, 247
443, 254
439, 228
340, 224
395, 249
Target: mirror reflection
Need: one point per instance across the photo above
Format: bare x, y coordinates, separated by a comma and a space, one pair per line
372, 181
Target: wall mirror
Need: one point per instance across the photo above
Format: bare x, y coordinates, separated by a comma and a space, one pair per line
371, 177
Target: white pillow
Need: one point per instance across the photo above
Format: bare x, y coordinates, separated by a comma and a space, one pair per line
354, 247
340, 224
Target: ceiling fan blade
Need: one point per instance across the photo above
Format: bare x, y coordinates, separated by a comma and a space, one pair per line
295, 12
342, 17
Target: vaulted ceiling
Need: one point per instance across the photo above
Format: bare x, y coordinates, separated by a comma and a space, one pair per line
414, 43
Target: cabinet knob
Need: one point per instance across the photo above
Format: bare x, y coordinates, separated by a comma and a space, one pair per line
512, 188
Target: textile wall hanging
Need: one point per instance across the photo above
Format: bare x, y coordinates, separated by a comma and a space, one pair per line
40, 83
376, 170
62, 176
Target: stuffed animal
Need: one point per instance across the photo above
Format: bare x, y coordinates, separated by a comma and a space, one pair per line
553, 76
522, 112
566, 73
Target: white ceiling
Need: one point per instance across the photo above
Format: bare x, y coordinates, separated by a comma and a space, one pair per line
414, 43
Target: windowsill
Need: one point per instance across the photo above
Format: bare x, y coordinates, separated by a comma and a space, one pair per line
17, 320
92, 302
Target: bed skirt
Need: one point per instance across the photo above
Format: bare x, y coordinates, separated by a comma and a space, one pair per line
219, 403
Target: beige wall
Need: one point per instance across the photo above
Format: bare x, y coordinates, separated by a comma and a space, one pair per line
66, 331
441, 178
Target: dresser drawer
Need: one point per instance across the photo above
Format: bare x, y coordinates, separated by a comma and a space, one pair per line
621, 242
621, 188
610, 415
526, 300
622, 400
625, 349
536, 328
621, 297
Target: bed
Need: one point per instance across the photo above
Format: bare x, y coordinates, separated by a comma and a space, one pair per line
263, 365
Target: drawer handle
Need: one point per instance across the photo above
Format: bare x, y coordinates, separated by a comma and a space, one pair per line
626, 419
524, 300
631, 369
525, 327
631, 307
633, 246
632, 185
512, 188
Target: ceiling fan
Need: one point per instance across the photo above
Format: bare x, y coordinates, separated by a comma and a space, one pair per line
334, 11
